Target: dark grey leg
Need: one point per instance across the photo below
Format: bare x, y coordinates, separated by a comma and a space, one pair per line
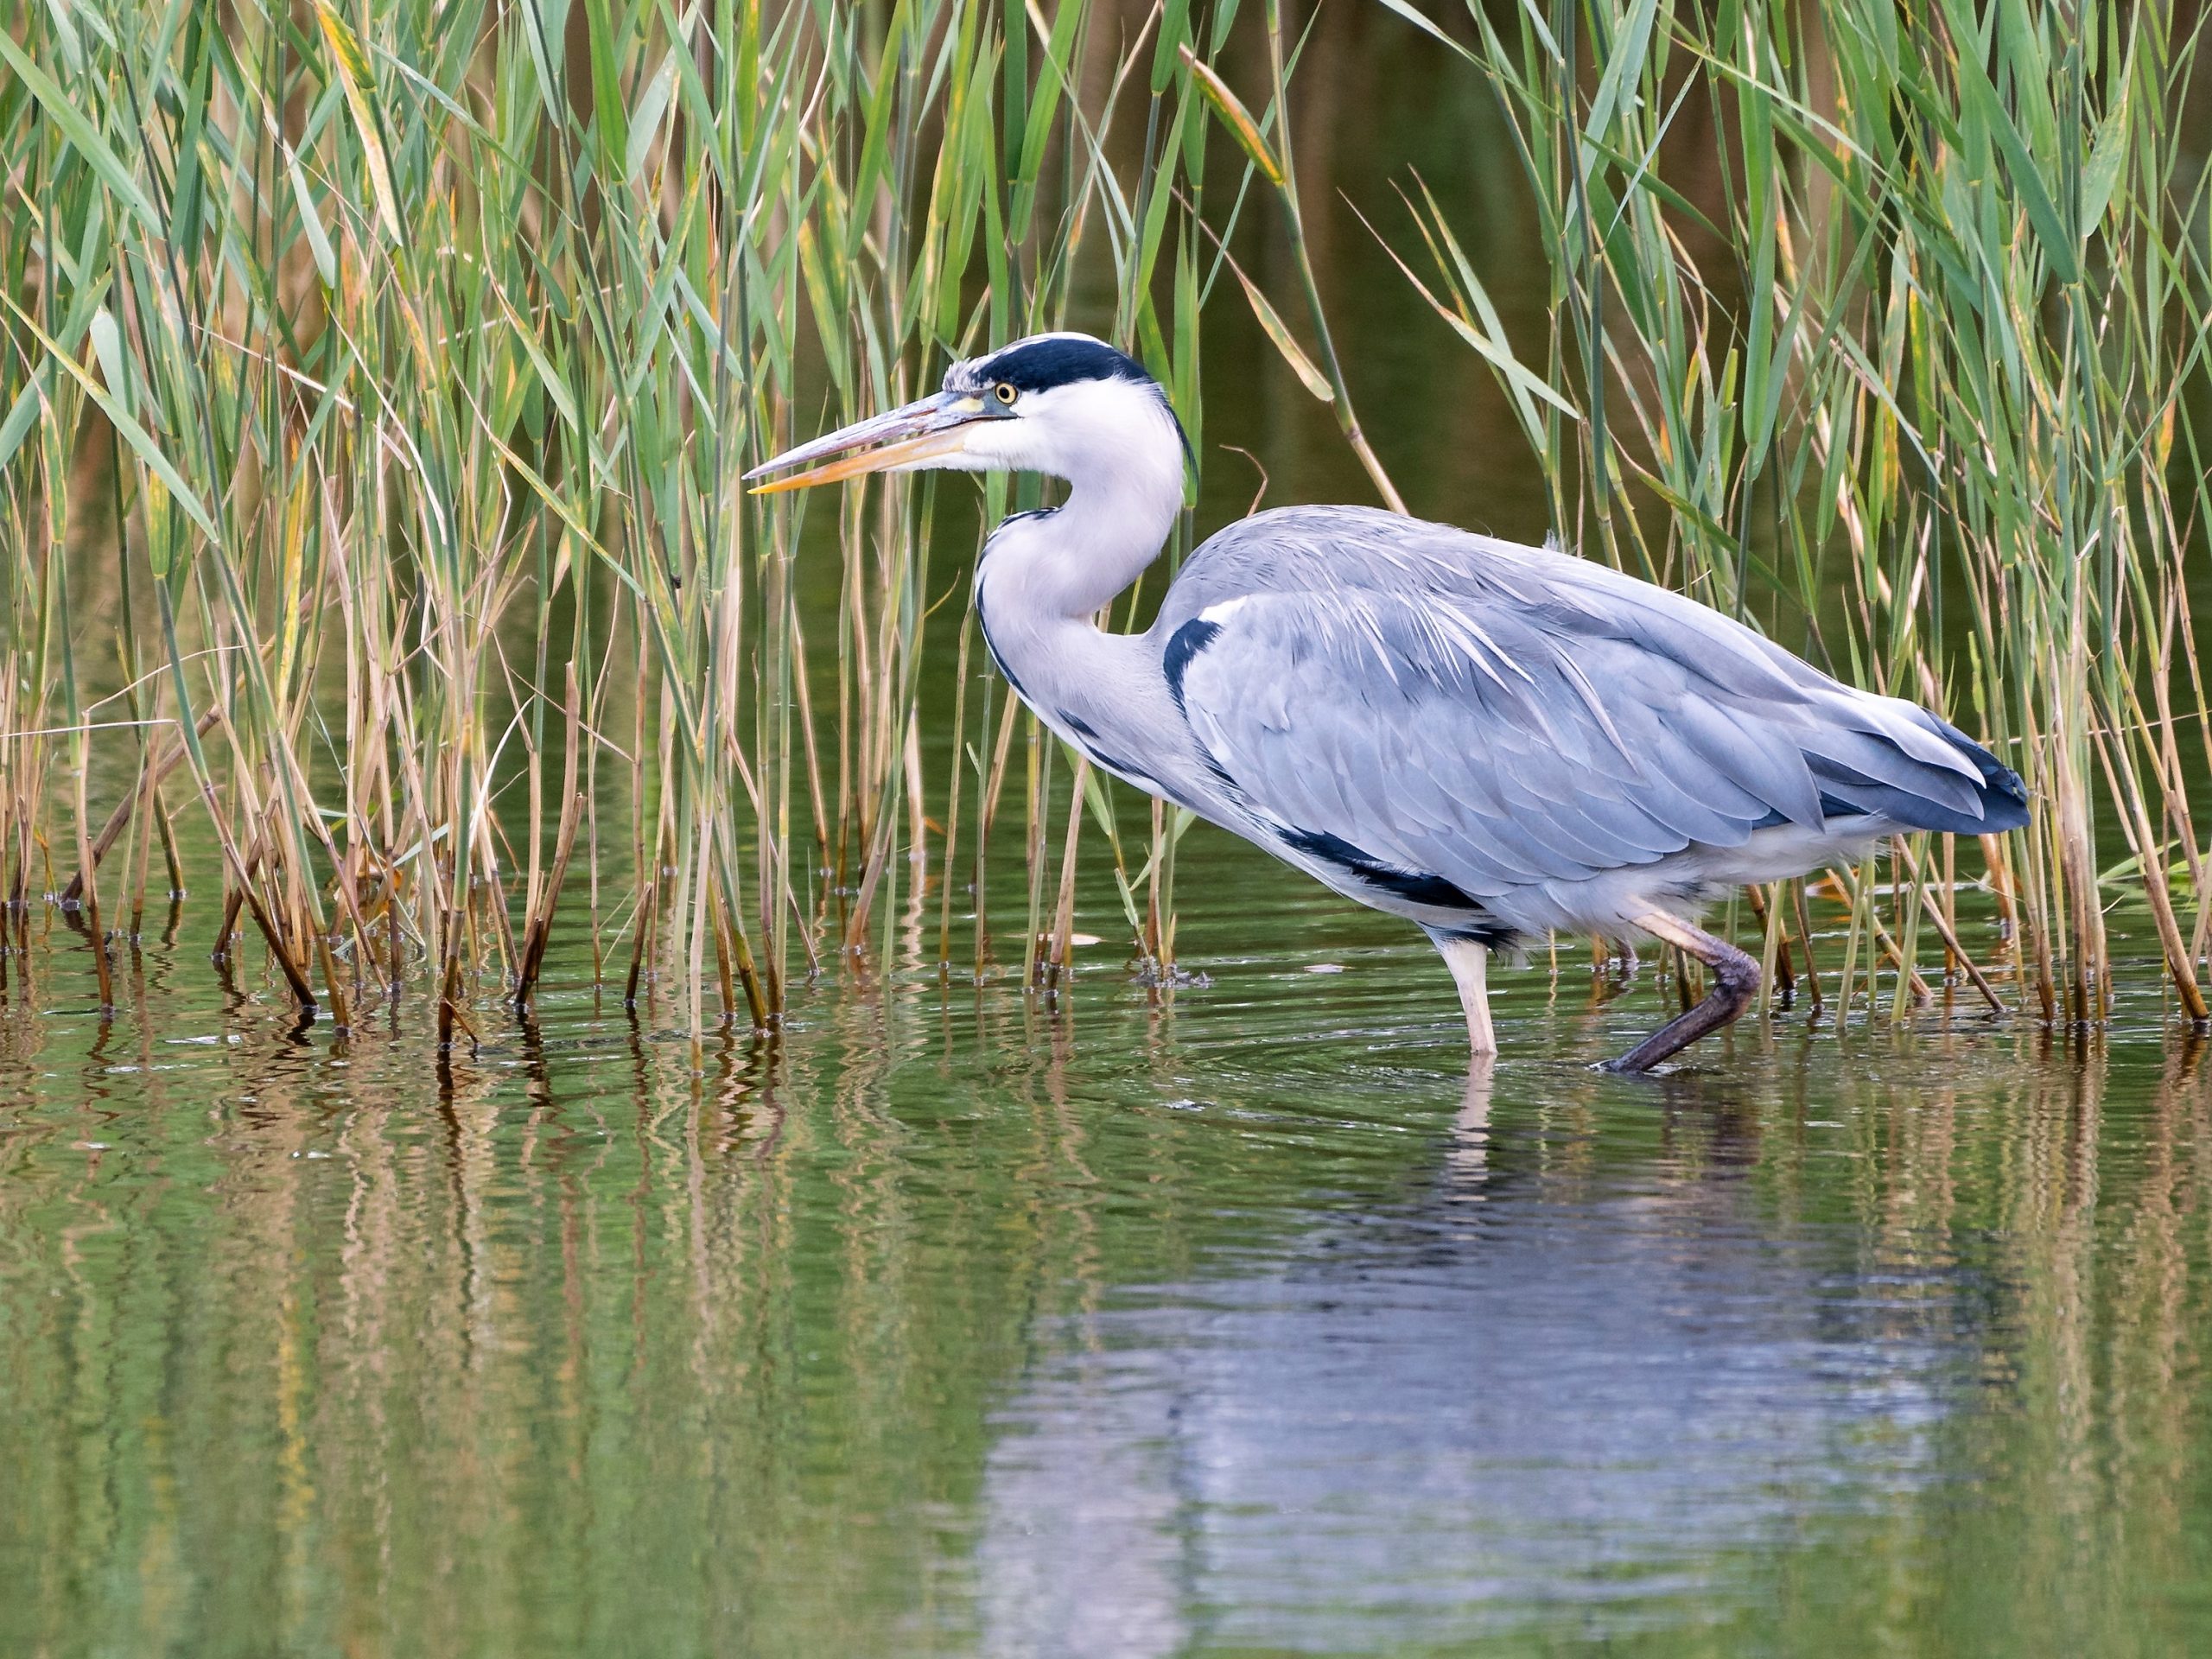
1735, 981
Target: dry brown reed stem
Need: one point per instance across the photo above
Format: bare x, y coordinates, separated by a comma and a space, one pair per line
2150, 849
543, 899
1062, 955
1857, 891
91, 899
1945, 929
948, 859
1776, 968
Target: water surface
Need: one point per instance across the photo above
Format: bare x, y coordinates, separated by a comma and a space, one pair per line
1234, 1319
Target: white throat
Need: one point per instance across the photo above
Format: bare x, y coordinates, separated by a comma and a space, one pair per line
1122, 454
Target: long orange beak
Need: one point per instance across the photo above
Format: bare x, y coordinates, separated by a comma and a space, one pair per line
911, 436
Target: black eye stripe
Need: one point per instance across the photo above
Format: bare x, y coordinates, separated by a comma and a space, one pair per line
1037, 364
1052, 360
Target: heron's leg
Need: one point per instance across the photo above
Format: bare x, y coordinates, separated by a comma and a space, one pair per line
1468, 1158
1735, 980
1469, 961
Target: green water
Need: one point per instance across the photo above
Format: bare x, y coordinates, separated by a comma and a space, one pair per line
1239, 1321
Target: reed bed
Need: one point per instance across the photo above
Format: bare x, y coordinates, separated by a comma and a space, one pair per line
1886, 326
407, 356
400, 361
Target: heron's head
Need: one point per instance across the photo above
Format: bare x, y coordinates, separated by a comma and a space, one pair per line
1065, 404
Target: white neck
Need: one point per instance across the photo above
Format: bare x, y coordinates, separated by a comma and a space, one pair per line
1072, 561
1122, 454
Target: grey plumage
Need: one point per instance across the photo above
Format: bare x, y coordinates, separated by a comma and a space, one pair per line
1489, 739
1524, 725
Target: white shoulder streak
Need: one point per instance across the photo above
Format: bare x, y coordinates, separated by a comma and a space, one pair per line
1221, 613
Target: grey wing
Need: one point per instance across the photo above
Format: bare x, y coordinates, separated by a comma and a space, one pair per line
1535, 720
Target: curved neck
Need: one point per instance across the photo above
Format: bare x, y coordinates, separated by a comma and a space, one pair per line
1125, 488
1072, 561
1043, 580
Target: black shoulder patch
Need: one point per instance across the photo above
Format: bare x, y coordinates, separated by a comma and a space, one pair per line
1184, 643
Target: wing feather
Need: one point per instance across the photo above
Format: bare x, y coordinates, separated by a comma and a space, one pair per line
1501, 716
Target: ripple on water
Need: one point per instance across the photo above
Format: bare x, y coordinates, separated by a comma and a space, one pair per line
1138, 1319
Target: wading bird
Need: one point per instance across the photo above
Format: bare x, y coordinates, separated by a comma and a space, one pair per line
1487, 739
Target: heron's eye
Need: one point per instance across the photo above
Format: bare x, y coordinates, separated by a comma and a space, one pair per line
1003, 392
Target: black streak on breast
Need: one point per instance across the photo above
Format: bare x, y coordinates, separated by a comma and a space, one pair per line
1121, 768
984, 623
1414, 887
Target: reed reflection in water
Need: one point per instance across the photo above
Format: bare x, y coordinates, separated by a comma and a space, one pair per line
965, 1322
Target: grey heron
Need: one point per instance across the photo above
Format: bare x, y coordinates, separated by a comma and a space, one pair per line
1487, 739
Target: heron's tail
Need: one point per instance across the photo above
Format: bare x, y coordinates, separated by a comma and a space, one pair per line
1892, 782
2004, 796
